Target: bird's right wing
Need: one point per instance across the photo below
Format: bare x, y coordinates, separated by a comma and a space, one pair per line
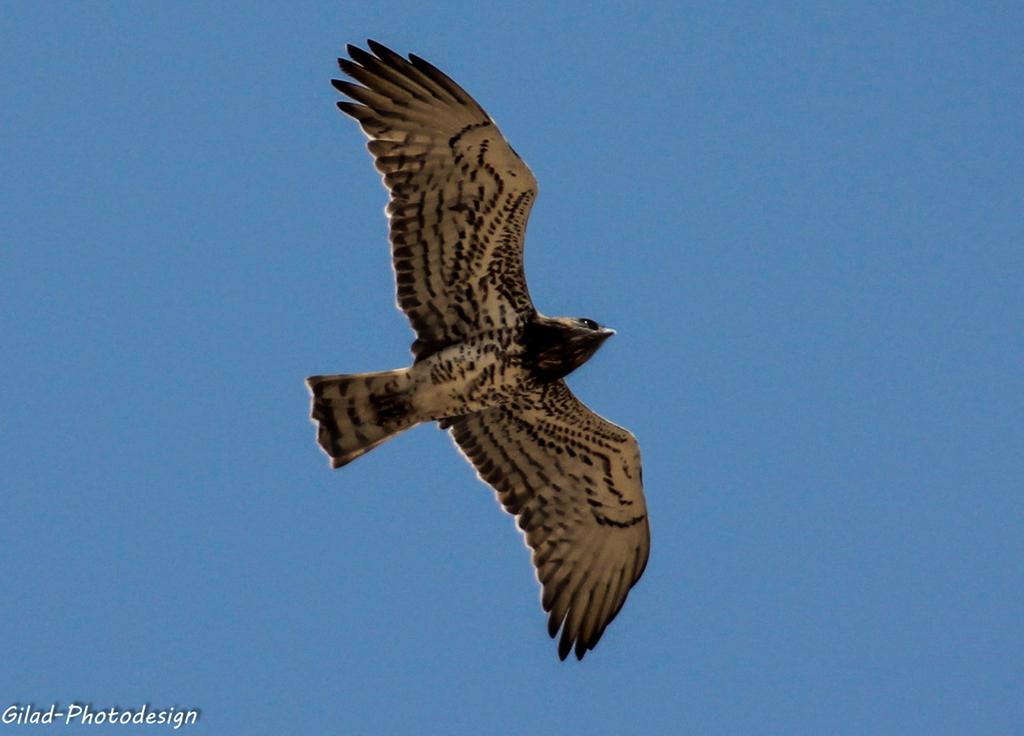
574, 482
460, 197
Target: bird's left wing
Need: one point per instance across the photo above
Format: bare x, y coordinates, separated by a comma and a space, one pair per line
460, 197
573, 480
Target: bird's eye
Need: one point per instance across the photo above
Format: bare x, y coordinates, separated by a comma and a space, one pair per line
589, 324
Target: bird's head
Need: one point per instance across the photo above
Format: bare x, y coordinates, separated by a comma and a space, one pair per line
560, 345
587, 330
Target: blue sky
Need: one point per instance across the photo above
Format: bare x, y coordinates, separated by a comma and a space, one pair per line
805, 222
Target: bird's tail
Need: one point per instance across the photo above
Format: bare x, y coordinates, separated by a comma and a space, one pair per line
356, 413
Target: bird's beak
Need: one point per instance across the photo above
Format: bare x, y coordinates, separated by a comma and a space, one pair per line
607, 332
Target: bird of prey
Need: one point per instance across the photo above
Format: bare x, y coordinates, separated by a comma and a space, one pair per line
488, 367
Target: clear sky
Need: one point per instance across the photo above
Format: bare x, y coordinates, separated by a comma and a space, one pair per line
806, 222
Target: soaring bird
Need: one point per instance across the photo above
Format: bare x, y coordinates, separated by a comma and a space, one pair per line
488, 367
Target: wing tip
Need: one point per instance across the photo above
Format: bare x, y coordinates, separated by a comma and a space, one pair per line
379, 49
352, 109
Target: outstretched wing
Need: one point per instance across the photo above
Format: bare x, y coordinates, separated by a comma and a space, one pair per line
460, 197
573, 480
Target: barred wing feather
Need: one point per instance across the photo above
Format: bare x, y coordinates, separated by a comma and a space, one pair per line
573, 480
460, 197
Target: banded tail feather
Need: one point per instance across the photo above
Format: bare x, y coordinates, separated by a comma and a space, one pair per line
355, 413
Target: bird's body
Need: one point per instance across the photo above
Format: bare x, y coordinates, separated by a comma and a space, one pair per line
475, 373
488, 366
